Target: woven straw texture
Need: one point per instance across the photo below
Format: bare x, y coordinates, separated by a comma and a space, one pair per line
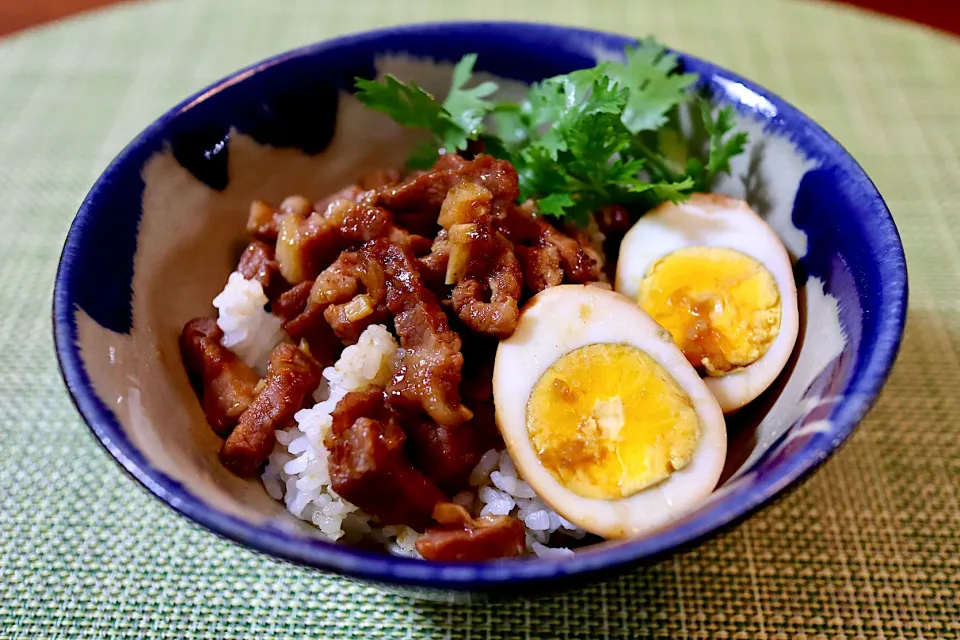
869, 548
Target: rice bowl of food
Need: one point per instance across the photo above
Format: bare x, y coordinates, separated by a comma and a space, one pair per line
450, 323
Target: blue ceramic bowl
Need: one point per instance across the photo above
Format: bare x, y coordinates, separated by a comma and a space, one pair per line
156, 237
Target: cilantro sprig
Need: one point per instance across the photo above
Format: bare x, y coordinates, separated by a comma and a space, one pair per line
453, 123
580, 140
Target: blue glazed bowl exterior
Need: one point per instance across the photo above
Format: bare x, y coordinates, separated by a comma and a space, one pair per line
288, 105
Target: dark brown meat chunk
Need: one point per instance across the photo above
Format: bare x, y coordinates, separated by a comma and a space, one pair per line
292, 376
304, 323
307, 246
487, 299
367, 182
552, 250
479, 354
339, 282
476, 387
352, 293
379, 178
424, 192
614, 219
368, 467
481, 263
541, 266
419, 245
428, 377
421, 223
416, 215
225, 385
257, 263
416, 201
579, 264
433, 266
262, 222
292, 302
460, 538
346, 298
590, 240
352, 192
447, 455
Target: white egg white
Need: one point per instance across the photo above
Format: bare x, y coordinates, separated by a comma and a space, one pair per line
713, 220
554, 323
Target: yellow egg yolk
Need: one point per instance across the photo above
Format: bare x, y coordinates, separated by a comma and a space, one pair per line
607, 421
721, 307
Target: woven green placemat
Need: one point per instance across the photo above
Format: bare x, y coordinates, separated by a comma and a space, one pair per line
869, 548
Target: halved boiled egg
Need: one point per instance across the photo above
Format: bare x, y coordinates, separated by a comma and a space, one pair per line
716, 276
603, 415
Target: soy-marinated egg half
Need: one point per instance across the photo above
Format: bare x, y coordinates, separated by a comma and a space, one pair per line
716, 276
603, 415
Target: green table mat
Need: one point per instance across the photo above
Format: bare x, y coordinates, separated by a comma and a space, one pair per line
870, 547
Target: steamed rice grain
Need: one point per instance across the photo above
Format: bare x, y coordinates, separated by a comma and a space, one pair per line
509, 495
249, 330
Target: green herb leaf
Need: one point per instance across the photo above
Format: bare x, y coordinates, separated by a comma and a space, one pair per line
467, 107
495, 147
579, 141
453, 123
555, 204
407, 104
589, 152
649, 74
514, 126
423, 156
724, 144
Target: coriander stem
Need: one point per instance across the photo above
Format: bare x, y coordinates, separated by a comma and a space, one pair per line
655, 162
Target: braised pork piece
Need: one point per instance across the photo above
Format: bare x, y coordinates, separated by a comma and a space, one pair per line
445, 257
291, 378
225, 385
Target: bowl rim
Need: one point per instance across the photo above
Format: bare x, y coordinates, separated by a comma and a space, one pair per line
873, 367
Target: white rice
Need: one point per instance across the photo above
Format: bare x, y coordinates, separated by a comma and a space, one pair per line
502, 492
297, 471
249, 330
